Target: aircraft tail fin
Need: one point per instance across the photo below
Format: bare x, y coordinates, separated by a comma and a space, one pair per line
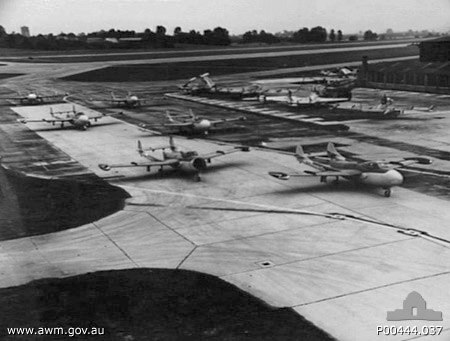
208, 80
169, 117
140, 149
172, 144
333, 153
300, 154
112, 95
191, 114
51, 112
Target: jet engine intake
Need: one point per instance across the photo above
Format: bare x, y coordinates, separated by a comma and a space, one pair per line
198, 163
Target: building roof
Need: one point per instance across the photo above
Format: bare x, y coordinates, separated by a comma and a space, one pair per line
442, 68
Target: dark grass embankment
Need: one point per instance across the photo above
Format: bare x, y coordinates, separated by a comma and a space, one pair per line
185, 70
10, 75
150, 304
32, 206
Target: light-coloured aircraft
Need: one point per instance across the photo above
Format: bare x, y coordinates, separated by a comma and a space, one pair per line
76, 118
34, 98
192, 124
312, 100
374, 173
129, 101
385, 109
175, 158
203, 84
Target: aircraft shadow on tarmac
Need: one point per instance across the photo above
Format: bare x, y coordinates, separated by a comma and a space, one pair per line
185, 174
68, 126
342, 187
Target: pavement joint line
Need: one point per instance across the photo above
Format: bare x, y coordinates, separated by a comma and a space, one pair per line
229, 201
186, 257
117, 245
419, 233
373, 288
312, 258
192, 225
49, 262
410, 231
264, 234
171, 229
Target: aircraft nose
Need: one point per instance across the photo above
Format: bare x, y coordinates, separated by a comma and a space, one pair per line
395, 177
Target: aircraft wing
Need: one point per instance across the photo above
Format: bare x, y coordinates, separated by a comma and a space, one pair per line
47, 120
242, 118
13, 98
107, 167
410, 161
52, 96
178, 124
343, 173
99, 117
317, 100
330, 100
225, 152
118, 100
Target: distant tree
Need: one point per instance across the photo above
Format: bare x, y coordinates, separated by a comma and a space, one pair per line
261, 37
160, 30
353, 38
177, 30
369, 35
339, 35
218, 36
301, 36
332, 35
318, 34
2, 31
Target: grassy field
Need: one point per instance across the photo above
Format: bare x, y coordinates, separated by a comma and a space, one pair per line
149, 304
35, 56
182, 70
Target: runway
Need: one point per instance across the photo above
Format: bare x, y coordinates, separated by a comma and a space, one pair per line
274, 239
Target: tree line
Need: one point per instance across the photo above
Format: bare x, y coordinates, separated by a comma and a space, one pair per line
159, 38
115, 38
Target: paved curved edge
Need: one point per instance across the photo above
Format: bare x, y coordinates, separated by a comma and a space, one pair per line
343, 275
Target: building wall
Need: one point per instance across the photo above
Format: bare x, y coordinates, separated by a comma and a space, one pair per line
435, 51
25, 31
425, 77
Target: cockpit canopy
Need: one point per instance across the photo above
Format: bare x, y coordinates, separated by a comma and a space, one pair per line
375, 166
189, 154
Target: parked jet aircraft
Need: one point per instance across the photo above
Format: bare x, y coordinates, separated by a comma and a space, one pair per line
175, 158
78, 119
129, 101
33, 98
385, 109
312, 100
191, 124
204, 84
374, 173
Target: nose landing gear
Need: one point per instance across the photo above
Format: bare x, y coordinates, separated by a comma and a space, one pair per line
387, 192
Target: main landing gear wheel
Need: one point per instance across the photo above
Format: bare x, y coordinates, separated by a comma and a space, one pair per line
197, 178
387, 192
